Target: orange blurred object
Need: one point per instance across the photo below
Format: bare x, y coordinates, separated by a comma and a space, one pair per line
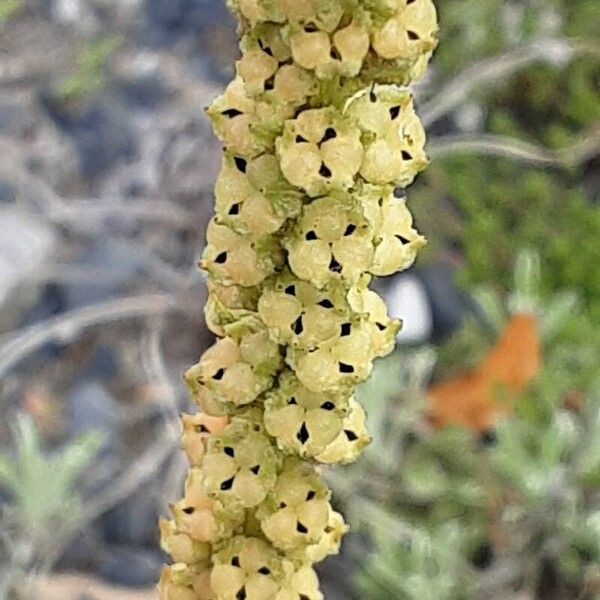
477, 399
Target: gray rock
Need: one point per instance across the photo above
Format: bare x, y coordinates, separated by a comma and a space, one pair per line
25, 244
134, 521
118, 265
131, 566
449, 304
91, 408
8, 192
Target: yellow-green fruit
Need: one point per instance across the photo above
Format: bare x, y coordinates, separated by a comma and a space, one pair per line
296, 512
180, 546
202, 518
303, 584
409, 32
247, 568
329, 55
233, 373
252, 197
183, 582
240, 464
228, 304
196, 431
332, 241
303, 422
320, 14
337, 365
383, 329
330, 542
299, 314
247, 126
319, 151
268, 72
393, 136
396, 241
348, 445
234, 259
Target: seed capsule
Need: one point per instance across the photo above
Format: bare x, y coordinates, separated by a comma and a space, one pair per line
300, 314
320, 151
202, 518
233, 372
180, 546
383, 329
331, 242
393, 136
234, 259
296, 512
409, 33
240, 464
338, 365
247, 568
183, 582
396, 241
196, 431
303, 422
346, 448
303, 584
252, 197
330, 542
247, 126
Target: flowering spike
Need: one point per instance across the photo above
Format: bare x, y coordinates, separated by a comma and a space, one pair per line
319, 130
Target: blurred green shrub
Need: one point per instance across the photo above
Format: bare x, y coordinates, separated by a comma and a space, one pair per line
9, 9
89, 77
453, 515
43, 505
42, 485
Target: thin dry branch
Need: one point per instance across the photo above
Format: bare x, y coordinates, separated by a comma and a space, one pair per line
582, 150
66, 327
496, 69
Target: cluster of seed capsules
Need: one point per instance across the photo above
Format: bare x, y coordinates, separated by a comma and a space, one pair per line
320, 138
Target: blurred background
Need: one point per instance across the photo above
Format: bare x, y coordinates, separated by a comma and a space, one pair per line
483, 481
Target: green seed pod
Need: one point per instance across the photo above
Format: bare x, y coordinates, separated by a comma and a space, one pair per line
252, 197
346, 448
196, 431
330, 542
240, 464
247, 126
296, 513
340, 53
247, 568
183, 582
337, 365
396, 241
409, 32
299, 314
202, 518
303, 584
320, 14
303, 422
383, 329
320, 151
266, 70
230, 258
180, 546
393, 137
234, 372
332, 241
228, 304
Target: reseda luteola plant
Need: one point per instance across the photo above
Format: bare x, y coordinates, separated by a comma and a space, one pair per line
320, 138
